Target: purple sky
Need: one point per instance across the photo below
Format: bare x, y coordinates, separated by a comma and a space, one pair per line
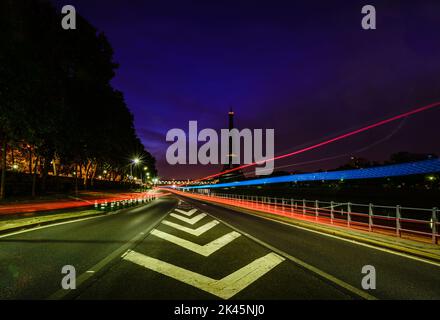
306, 69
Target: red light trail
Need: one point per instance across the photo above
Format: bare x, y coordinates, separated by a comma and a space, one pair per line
315, 146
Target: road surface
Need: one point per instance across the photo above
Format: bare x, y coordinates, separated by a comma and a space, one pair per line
178, 248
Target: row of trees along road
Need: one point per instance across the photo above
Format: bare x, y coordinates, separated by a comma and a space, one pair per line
56, 96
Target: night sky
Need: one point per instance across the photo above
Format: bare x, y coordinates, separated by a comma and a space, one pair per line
305, 68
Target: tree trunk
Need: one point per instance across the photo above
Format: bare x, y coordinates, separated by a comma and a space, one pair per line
92, 178
45, 173
54, 168
30, 160
86, 175
34, 177
76, 180
3, 167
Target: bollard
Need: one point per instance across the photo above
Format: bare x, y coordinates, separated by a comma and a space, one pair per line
348, 214
370, 217
304, 207
332, 208
316, 209
434, 225
398, 233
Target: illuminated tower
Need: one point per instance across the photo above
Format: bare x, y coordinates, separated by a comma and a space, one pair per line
229, 165
238, 174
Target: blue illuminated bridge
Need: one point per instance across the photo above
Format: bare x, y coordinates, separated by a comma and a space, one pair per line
395, 170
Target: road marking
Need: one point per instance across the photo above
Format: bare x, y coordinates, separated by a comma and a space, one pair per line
195, 232
307, 266
224, 288
102, 265
49, 226
187, 213
205, 250
191, 221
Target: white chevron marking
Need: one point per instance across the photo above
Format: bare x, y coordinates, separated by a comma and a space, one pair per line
195, 232
205, 250
224, 288
187, 213
192, 220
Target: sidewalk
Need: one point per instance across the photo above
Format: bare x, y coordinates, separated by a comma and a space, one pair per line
414, 248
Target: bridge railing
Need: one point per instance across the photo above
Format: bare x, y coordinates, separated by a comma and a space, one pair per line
419, 224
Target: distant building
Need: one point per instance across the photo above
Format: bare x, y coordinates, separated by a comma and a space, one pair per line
238, 174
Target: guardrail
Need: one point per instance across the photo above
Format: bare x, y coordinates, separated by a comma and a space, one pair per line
415, 223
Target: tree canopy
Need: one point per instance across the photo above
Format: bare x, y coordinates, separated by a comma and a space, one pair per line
56, 93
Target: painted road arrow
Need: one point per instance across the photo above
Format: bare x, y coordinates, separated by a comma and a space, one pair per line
205, 250
193, 220
187, 213
224, 288
195, 232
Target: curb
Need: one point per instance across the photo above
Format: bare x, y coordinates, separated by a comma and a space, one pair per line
333, 231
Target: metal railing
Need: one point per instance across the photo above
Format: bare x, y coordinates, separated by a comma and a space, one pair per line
414, 223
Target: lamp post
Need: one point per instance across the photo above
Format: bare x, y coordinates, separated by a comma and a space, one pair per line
135, 162
145, 169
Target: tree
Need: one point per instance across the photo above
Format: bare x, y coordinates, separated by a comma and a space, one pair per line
55, 94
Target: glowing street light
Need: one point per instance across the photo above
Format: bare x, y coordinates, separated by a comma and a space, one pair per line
135, 162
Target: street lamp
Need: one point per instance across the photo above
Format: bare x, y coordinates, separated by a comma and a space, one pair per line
135, 162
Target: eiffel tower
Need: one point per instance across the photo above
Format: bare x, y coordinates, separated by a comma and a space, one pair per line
235, 175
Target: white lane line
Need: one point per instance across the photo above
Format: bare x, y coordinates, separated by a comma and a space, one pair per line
49, 226
187, 213
192, 220
205, 250
102, 264
401, 254
195, 232
224, 288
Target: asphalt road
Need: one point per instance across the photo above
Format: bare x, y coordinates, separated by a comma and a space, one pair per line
172, 249
31, 262
397, 276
